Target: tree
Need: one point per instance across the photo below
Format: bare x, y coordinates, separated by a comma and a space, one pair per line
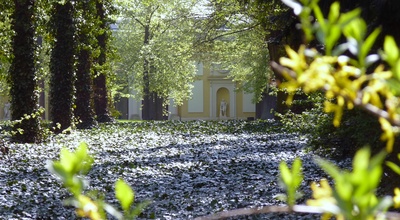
62, 66
156, 38
100, 83
258, 30
22, 74
5, 44
85, 54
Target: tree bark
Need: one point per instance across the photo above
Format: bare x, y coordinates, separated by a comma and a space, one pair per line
99, 82
83, 111
62, 67
152, 108
24, 94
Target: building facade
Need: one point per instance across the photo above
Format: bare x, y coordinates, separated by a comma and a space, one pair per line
215, 96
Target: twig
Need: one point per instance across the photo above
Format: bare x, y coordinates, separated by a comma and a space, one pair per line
277, 209
378, 112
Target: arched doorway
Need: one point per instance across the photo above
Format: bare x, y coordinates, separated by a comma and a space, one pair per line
223, 95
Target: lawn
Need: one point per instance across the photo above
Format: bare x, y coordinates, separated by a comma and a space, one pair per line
186, 169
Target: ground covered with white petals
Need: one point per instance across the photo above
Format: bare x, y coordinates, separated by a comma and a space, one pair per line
186, 169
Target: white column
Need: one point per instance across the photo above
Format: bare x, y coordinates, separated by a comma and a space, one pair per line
233, 101
134, 108
212, 102
173, 111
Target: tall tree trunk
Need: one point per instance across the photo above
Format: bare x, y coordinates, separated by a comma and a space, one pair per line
147, 96
277, 39
24, 94
83, 111
152, 103
99, 82
62, 67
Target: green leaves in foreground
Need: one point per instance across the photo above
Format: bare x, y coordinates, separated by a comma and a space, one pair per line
72, 168
124, 194
353, 196
291, 179
126, 197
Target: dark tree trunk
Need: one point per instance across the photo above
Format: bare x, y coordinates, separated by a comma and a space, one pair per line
83, 111
24, 94
152, 108
277, 39
62, 67
99, 82
263, 108
275, 52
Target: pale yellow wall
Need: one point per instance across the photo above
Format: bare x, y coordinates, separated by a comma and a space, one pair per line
183, 110
239, 107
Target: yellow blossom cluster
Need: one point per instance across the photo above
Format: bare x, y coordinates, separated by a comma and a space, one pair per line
345, 86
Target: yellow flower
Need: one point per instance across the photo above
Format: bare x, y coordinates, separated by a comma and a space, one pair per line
388, 134
87, 208
396, 198
322, 194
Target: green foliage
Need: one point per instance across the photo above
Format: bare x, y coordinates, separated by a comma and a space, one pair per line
240, 34
291, 179
348, 83
346, 80
354, 195
6, 33
154, 40
72, 168
325, 138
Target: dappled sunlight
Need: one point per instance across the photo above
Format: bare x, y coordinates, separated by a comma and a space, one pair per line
186, 169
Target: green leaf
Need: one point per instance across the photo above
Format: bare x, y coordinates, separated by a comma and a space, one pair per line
334, 12
394, 85
348, 17
356, 29
329, 168
361, 160
332, 38
344, 189
138, 209
67, 160
286, 176
296, 173
124, 194
396, 69
393, 166
391, 50
378, 159
369, 42
374, 177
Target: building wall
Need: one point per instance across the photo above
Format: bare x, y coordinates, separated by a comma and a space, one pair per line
211, 86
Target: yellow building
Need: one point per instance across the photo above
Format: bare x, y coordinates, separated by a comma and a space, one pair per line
211, 87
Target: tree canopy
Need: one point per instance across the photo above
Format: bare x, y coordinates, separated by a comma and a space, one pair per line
154, 39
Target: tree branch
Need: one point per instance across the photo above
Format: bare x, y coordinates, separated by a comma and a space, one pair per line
377, 112
277, 209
